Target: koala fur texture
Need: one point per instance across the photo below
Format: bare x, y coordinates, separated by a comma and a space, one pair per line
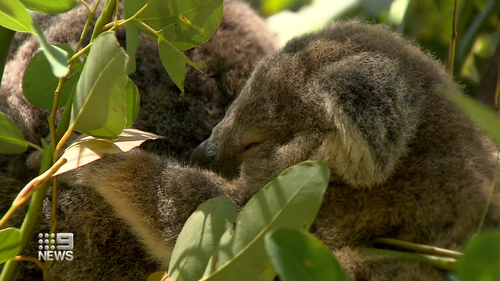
405, 162
108, 249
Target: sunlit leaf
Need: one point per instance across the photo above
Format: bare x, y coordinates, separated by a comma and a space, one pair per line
132, 41
298, 256
159, 276
481, 259
99, 103
132, 102
192, 21
50, 7
291, 200
13, 15
56, 56
40, 84
11, 139
10, 240
87, 149
199, 237
175, 62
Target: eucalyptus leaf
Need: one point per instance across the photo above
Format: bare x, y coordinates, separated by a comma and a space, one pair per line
11, 139
56, 56
175, 62
132, 102
291, 200
40, 84
481, 259
298, 256
13, 15
10, 240
132, 42
199, 237
50, 7
99, 103
192, 21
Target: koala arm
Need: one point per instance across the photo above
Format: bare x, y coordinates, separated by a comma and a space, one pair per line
153, 195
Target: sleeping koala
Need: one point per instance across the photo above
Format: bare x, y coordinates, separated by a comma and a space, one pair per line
405, 162
105, 248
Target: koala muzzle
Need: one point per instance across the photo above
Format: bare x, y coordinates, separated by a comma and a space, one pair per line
205, 154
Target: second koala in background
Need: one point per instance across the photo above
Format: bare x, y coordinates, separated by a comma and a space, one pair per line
105, 248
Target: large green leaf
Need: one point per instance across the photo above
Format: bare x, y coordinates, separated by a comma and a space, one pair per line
132, 42
192, 21
13, 15
11, 139
99, 103
132, 102
40, 84
291, 200
50, 7
175, 62
199, 237
481, 259
299, 256
10, 239
56, 56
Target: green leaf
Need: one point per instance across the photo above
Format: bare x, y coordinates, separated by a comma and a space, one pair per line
481, 259
50, 7
56, 56
11, 139
10, 239
199, 237
192, 21
40, 84
13, 15
99, 103
175, 62
484, 116
132, 102
298, 256
291, 200
132, 41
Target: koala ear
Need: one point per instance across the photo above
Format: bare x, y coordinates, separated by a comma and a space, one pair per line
371, 116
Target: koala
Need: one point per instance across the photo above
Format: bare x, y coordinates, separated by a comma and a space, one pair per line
405, 162
108, 249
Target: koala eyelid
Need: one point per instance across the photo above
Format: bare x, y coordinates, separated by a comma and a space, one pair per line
252, 145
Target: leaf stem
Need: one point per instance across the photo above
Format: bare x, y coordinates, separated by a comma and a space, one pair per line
447, 264
31, 259
431, 250
451, 51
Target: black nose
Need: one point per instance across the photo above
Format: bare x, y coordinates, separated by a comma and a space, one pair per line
205, 154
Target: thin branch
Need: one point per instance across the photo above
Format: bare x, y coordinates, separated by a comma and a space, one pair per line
430, 250
451, 51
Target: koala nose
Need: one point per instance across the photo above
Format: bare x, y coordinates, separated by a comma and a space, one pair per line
205, 154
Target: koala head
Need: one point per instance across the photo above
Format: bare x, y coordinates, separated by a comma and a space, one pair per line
351, 94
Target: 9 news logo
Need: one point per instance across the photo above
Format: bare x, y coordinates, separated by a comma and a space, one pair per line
56, 247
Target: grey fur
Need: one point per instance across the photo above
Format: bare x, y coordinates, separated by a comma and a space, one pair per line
105, 248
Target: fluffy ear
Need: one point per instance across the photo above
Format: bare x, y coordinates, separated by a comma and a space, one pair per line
371, 116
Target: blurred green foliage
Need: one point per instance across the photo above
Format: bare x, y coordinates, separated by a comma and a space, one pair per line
428, 22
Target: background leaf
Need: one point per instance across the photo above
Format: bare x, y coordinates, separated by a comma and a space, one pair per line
40, 84
11, 139
56, 56
298, 256
481, 259
132, 41
199, 238
13, 15
10, 239
99, 103
291, 200
132, 102
50, 7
